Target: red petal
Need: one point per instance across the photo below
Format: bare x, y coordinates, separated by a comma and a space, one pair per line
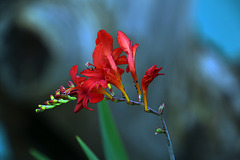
106, 39
73, 73
97, 56
111, 78
116, 53
80, 80
124, 42
95, 97
149, 76
85, 101
78, 107
112, 64
76, 79
127, 69
80, 96
87, 84
120, 70
93, 73
153, 70
103, 83
121, 60
134, 48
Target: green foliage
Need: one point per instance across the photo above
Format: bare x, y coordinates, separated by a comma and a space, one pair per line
37, 155
86, 149
112, 144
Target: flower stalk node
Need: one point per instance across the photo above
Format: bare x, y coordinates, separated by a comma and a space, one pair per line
147, 110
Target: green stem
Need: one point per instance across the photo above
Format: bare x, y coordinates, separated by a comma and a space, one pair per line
170, 148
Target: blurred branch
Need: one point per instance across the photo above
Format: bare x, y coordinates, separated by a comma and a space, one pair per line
170, 148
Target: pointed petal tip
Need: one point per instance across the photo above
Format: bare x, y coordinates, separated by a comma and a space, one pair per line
124, 42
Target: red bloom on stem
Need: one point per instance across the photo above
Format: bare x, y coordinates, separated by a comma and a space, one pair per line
126, 45
108, 57
104, 71
85, 92
149, 76
105, 61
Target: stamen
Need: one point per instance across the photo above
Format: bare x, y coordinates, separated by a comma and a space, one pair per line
87, 64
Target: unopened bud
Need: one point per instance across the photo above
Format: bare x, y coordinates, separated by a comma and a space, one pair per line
57, 92
51, 97
58, 96
70, 84
161, 108
46, 103
38, 110
71, 98
159, 130
53, 101
63, 101
42, 107
62, 89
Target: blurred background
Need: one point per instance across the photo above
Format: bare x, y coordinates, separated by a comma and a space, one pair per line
196, 42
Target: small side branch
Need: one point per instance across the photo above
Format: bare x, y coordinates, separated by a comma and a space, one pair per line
159, 114
131, 102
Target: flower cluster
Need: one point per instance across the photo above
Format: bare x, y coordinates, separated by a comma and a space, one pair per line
104, 72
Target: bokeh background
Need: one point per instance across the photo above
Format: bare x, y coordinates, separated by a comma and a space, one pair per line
197, 42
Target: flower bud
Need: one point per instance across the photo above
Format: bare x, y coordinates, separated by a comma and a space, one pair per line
159, 130
161, 108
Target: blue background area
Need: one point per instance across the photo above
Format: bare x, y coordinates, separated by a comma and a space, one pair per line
219, 22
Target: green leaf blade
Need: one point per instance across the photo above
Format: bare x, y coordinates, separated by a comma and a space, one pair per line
113, 146
90, 155
38, 155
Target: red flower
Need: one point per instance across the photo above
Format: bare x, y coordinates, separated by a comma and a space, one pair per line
108, 57
105, 61
103, 72
126, 45
149, 76
86, 93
